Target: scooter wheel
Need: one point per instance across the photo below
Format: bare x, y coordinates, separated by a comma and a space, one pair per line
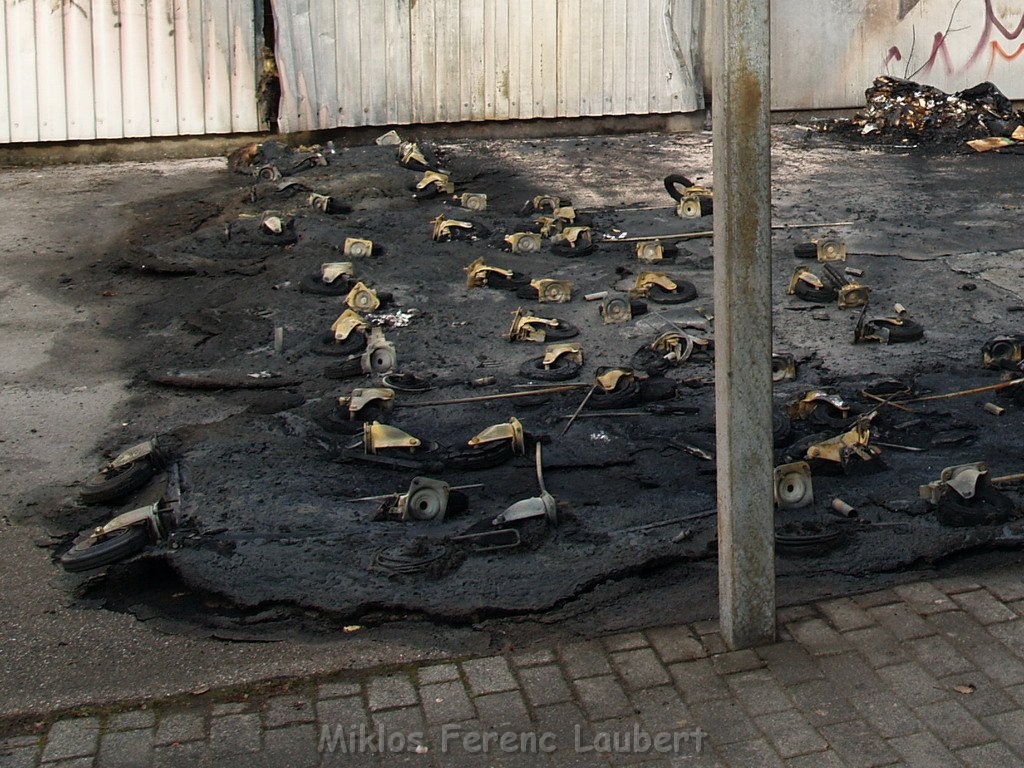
87, 553
115, 484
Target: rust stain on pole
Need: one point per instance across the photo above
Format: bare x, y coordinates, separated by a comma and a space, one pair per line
743, 322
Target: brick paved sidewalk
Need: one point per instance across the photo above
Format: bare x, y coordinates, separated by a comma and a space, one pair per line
930, 674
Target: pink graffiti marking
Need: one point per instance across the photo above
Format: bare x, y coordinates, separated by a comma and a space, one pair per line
894, 53
991, 20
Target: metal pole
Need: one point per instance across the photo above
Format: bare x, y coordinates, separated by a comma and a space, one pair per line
743, 321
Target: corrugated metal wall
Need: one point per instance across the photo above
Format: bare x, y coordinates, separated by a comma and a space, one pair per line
88, 69
378, 62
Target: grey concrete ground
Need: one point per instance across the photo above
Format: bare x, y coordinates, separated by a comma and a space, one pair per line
928, 674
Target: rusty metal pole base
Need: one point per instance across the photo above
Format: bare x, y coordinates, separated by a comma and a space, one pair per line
743, 321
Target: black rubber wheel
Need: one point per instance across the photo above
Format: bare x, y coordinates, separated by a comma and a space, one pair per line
782, 427
672, 183
707, 206
527, 292
657, 388
115, 484
623, 396
637, 307
807, 539
821, 295
988, 507
828, 416
685, 291
562, 330
485, 456
346, 369
514, 283
117, 546
564, 248
650, 360
805, 251
407, 382
314, 284
327, 345
907, 331
287, 236
563, 369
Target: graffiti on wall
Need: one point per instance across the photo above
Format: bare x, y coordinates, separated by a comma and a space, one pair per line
997, 42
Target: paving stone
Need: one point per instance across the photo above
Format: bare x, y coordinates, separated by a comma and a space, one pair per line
954, 725
708, 627
75, 762
193, 754
125, 749
901, 621
989, 756
876, 598
827, 759
584, 660
172, 727
844, 614
817, 637
732, 662
602, 697
849, 673
986, 698
337, 690
924, 598
544, 685
130, 721
952, 585
438, 673
821, 702
347, 712
879, 646
923, 750
1018, 607
446, 703
390, 692
857, 745
294, 745
489, 675
230, 708
284, 710
562, 720
1007, 586
1009, 728
15, 742
77, 737
625, 642
913, 684
503, 711
1011, 635
979, 646
790, 663
713, 643
939, 656
725, 722
790, 733
675, 644
233, 735
757, 752
534, 658
984, 607
402, 729
697, 681
706, 758
661, 709
793, 613
887, 715
640, 668
759, 692
449, 746
18, 757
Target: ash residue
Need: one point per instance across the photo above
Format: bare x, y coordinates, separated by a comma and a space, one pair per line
907, 111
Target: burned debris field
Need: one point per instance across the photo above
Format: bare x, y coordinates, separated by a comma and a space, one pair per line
239, 365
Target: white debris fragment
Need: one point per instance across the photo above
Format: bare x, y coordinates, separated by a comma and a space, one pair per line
396, 318
600, 437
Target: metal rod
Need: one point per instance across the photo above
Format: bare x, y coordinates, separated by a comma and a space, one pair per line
908, 448
612, 414
663, 523
710, 233
743, 321
385, 496
1009, 479
501, 396
577, 413
961, 393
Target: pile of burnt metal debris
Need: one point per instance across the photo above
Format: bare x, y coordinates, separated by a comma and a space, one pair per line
911, 112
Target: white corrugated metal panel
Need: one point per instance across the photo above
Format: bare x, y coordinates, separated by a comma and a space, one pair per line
377, 62
83, 69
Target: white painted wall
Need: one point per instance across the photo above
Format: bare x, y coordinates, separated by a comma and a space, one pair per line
108, 69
